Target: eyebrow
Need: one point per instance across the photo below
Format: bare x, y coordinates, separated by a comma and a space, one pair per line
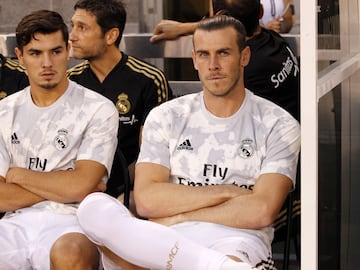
226, 49
53, 49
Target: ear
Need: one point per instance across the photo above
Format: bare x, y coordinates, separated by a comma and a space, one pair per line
112, 35
19, 55
245, 56
193, 56
261, 11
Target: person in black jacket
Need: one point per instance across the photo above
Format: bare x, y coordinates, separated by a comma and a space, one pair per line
134, 86
13, 76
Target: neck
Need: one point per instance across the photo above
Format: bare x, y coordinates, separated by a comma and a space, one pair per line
256, 33
224, 106
103, 65
45, 97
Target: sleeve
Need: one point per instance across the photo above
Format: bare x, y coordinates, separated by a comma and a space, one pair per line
4, 154
100, 139
158, 91
4, 157
155, 138
282, 148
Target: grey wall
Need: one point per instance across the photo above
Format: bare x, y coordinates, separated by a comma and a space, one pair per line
11, 11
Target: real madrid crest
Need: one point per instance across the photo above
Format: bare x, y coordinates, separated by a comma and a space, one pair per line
123, 104
246, 148
2, 94
61, 140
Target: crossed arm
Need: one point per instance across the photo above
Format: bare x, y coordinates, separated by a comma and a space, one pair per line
22, 187
229, 205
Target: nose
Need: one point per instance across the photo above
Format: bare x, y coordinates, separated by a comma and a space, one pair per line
214, 62
72, 35
47, 61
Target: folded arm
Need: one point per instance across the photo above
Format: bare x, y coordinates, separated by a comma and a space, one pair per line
168, 203
156, 197
14, 196
60, 186
255, 210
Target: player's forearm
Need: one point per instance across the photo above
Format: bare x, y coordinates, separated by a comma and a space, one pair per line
60, 186
167, 199
245, 212
13, 197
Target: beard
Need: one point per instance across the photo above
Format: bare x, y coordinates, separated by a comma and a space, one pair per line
89, 55
222, 89
48, 86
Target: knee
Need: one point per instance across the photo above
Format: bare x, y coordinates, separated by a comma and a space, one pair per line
91, 204
74, 251
96, 208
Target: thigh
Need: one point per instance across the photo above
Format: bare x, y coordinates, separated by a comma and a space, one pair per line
247, 248
233, 242
14, 243
53, 226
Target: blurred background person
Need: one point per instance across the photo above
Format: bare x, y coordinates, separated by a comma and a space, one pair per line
13, 76
278, 15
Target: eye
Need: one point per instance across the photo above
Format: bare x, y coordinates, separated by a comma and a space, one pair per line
224, 53
203, 54
34, 53
57, 51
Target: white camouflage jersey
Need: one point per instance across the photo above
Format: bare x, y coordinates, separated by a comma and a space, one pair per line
80, 125
202, 149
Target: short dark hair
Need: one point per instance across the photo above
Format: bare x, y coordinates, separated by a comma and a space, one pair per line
41, 21
246, 11
109, 14
222, 21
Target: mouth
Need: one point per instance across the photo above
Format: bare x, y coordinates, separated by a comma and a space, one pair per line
216, 78
48, 75
74, 46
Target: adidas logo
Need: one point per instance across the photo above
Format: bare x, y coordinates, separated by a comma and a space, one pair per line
186, 145
14, 139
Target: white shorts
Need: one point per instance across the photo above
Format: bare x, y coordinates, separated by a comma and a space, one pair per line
27, 235
242, 244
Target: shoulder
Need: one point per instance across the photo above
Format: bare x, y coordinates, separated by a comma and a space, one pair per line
144, 68
11, 64
267, 112
90, 97
78, 69
10, 102
277, 52
178, 107
150, 75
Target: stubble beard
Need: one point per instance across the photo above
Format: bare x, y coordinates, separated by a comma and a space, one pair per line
48, 86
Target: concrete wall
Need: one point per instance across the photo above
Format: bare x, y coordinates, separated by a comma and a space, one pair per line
11, 11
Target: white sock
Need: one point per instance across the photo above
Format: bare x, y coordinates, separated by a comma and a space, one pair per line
108, 222
233, 265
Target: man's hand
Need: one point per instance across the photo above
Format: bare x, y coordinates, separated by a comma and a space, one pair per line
274, 24
14, 175
166, 30
101, 187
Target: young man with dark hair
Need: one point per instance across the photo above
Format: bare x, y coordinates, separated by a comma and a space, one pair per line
214, 170
57, 142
